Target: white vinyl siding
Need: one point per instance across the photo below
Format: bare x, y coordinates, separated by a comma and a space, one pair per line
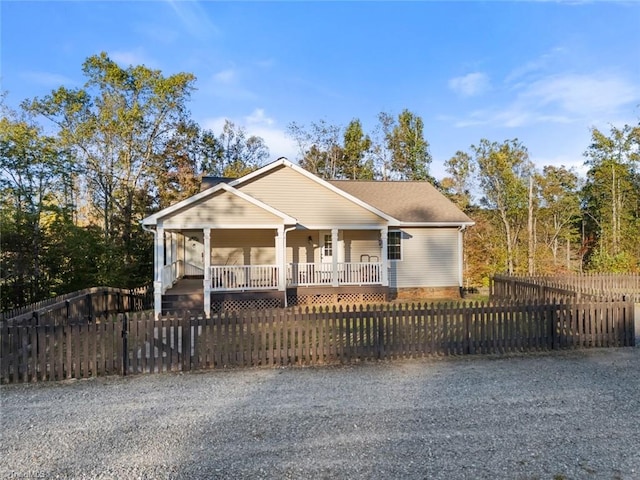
222, 209
361, 246
301, 249
309, 202
429, 259
243, 247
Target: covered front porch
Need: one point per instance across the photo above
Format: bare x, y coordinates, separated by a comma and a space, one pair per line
289, 264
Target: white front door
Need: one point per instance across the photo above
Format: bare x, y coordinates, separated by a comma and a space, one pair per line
327, 248
194, 254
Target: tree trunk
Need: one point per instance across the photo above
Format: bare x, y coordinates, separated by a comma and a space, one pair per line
531, 244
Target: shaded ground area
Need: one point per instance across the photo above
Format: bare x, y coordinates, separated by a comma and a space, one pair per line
560, 415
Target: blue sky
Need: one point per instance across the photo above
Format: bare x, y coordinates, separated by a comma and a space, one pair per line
544, 72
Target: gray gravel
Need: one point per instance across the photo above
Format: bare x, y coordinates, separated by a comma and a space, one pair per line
560, 415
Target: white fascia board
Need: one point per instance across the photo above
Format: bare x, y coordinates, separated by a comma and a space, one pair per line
222, 226
153, 219
377, 226
284, 162
436, 224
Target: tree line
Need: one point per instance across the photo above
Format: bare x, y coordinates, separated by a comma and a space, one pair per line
79, 169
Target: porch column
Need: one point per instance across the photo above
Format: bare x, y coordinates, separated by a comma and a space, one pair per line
461, 256
158, 263
334, 257
384, 274
207, 272
281, 258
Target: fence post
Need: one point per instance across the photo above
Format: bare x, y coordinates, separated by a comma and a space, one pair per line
89, 302
468, 347
36, 323
125, 345
634, 322
378, 318
555, 340
186, 342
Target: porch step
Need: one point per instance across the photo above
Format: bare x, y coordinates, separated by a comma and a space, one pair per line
186, 301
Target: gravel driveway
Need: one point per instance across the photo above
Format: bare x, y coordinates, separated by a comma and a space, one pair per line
560, 415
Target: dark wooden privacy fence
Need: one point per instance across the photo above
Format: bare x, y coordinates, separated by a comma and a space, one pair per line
574, 288
83, 305
137, 343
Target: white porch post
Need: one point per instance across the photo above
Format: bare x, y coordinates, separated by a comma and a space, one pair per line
460, 256
384, 251
158, 263
281, 258
207, 272
334, 257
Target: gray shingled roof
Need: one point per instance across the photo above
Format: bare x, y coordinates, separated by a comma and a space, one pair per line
405, 201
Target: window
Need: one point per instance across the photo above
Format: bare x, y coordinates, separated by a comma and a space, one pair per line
394, 245
328, 245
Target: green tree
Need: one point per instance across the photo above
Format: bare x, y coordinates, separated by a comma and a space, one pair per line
503, 174
559, 211
380, 151
181, 163
35, 173
457, 186
116, 126
611, 199
410, 151
354, 163
238, 153
319, 149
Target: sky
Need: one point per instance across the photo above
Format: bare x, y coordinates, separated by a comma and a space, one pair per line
544, 72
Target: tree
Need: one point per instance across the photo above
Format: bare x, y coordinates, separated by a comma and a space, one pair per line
559, 211
381, 152
239, 154
503, 173
458, 185
189, 152
611, 199
115, 127
354, 164
410, 151
35, 174
319, 149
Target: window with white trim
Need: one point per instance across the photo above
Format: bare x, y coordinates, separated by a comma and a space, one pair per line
394, 245
328, 245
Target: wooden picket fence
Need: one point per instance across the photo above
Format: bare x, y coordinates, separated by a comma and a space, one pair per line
83, 304
574, 288
138, 343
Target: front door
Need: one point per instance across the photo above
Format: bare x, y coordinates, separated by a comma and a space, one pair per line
327, 251
194, 254
326, 247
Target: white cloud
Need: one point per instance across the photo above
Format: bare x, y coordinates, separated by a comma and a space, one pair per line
567, 160
258, 117
132, 57
582, 94
470, 85
537, 65
48, 79
194, 18
225, 76
559, 99
259, 124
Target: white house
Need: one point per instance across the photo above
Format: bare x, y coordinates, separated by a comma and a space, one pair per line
281, 236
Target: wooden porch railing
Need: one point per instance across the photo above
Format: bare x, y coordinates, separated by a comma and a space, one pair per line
244, 277
348, 273
171, 273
